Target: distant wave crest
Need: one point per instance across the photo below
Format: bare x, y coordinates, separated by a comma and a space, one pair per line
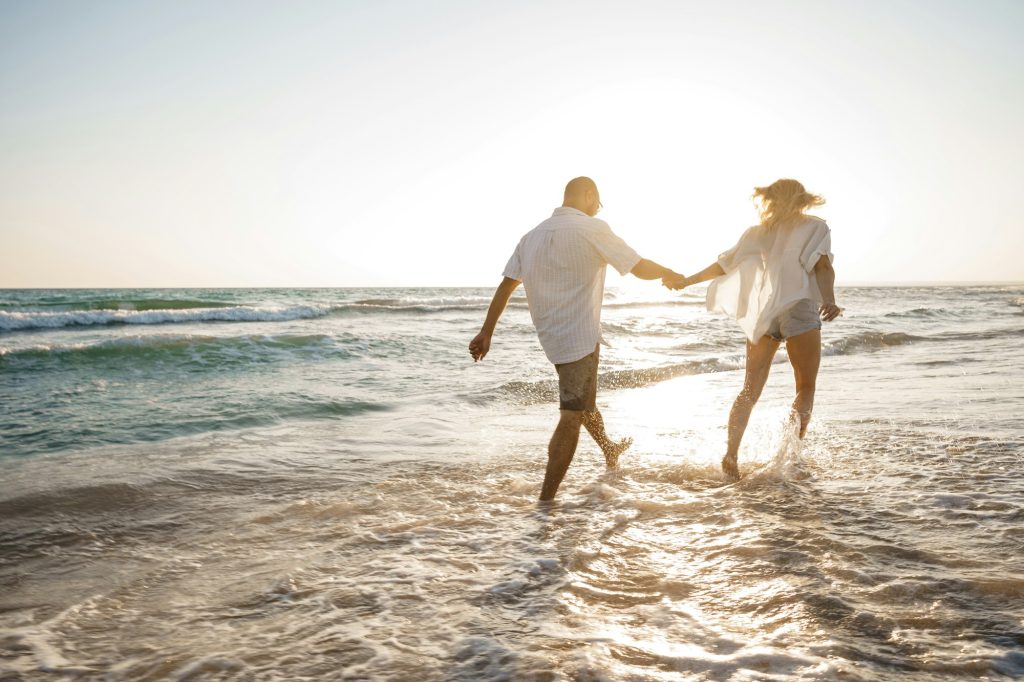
17, 321
127, 304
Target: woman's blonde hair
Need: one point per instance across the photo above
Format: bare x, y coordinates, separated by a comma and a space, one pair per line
784, 200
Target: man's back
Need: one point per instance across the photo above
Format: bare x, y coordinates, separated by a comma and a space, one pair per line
562, 263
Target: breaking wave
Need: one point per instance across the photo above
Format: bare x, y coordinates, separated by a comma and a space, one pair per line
185, 347
919, 313
18, 321
546, 391
871, 340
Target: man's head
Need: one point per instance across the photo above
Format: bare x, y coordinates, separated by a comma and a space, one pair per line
581, 193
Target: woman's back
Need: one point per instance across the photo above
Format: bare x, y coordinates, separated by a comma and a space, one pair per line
768, 270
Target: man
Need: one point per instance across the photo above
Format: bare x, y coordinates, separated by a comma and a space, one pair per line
562, 264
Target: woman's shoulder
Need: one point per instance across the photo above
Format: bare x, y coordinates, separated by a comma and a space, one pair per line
815, 221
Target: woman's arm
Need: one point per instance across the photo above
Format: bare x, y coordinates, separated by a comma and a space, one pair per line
710, 272
826, 278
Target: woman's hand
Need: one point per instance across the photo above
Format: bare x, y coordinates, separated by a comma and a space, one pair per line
829, 311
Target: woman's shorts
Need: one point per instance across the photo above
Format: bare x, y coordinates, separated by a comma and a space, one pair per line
799, 318
577, 383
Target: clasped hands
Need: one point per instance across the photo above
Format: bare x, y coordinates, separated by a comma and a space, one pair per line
675, 281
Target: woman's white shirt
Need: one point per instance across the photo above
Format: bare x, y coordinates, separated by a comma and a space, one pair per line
769, 270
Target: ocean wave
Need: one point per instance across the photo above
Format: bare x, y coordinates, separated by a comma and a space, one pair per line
985, 335
160, 425
918, 313
407, 308
198, 348
470, 303
129, 304
429, 301
19, 321
656, 304
868, 341
546, 391
875, 340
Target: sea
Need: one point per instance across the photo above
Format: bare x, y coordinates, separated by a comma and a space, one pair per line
320, 484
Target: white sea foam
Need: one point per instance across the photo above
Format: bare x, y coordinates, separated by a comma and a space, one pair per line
16, 321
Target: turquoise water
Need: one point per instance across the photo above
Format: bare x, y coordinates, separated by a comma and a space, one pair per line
289, 484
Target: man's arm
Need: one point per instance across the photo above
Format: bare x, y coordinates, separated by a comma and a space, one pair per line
826, 278
648, 269
481, 343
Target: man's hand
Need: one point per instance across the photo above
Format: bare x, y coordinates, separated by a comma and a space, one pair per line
479, 346
481, 343
675, 281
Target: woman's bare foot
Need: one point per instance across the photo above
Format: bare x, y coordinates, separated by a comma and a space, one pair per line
730, 467
805, 421
802, 421
612, 452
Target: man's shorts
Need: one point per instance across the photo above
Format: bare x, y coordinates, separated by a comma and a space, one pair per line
799, 318
577, 384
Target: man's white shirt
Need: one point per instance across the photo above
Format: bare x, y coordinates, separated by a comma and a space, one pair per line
562, 264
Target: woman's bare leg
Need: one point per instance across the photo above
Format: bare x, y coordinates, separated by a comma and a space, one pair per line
804, 353
759, 363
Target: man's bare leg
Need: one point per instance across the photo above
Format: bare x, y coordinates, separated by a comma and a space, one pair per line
560, 451
804, 352
759, 363
594, 423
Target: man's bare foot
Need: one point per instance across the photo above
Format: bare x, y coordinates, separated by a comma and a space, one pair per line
730, 467
612, 452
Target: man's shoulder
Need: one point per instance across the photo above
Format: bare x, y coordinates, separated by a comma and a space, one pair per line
579, 222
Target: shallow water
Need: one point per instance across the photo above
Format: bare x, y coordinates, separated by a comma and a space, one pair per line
404, 539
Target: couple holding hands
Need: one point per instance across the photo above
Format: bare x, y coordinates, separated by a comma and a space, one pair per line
776, 282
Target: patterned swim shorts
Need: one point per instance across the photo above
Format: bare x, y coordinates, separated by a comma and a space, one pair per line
577, 383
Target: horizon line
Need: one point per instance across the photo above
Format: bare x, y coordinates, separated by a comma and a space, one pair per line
856, 283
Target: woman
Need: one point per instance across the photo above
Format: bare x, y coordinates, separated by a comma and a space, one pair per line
777, 283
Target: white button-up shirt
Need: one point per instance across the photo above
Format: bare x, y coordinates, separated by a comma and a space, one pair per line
768, 271
561, 264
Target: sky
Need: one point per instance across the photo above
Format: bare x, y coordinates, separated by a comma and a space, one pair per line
306, 143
